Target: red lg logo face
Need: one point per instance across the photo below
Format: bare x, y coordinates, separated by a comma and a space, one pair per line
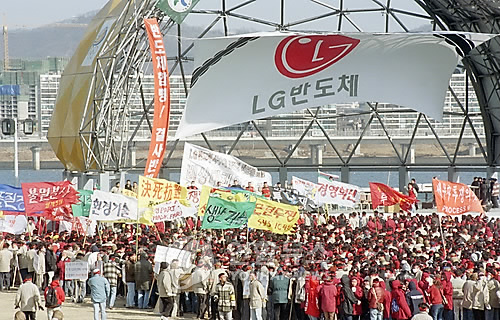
302, 56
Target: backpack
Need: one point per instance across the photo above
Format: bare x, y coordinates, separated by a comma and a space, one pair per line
51, 298
394, 305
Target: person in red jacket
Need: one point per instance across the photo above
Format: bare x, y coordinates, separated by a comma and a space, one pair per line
358, 293
59, 295
387, 301
328, 298
398, 298
376, 298
448, 313
312, 303
436, 299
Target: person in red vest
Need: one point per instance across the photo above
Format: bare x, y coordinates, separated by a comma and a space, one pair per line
265, 190
250, 187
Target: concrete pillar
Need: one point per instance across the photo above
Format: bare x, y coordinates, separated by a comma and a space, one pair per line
411, 155
104, 181
223, 148
133, 156
344, 174
357, 152
490, 171
123, 179
472, 150
452, 174
283, 175
403, 179
35, 152
317, 154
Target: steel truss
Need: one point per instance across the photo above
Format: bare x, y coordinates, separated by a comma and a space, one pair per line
107, 137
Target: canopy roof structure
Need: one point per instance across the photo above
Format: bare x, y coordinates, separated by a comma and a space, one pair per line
95, 127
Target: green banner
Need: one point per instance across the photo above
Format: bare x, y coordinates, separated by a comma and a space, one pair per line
177, 9
82, 209
223, 214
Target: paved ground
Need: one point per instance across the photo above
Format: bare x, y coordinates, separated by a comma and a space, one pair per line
83, 311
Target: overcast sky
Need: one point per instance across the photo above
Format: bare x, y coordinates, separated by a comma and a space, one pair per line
34, 13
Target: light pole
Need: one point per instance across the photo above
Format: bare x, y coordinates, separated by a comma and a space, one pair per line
16, 155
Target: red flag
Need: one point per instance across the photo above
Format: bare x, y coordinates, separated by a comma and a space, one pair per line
387, 196
41, 196
455, 198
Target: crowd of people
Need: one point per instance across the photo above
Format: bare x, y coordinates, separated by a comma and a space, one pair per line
364, 265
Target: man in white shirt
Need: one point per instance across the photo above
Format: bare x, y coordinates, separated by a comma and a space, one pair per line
5, 258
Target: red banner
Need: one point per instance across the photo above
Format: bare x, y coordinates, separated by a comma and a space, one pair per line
455, 198
45, 196
162, 99
387, 196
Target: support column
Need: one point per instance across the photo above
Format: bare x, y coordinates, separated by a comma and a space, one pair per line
452, 174
472, 150
411, 155
345, 174
133, 156
403, 179
490, 171
283, 176
104, 181
35, 152
317, 154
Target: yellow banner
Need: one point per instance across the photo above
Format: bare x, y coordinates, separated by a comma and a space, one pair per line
229, 195
274, 216
152, 192
129, 193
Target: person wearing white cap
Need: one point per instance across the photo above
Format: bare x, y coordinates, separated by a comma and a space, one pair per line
99, 293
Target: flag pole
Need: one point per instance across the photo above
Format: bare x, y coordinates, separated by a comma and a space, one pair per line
442, 235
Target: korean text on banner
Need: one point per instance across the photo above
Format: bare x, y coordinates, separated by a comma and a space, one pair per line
161, 101
291, 72
82, 208
305, 188
223, 193
386, 196
206, 167
335, 192
40, 196
171, 210
455, 198
11, 198
274, 216
152, 192
107, 206
77, 270
13, 224
224, 214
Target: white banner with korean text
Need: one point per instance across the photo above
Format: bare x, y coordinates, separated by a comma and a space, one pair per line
206, 167
171, 210
13, 224
334, 192
255, 76
107, 206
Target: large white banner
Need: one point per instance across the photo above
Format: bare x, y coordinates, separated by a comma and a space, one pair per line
13, 224
334, 192
242, 78
206, 167
171, 210
305, 188
107, 206
169, 254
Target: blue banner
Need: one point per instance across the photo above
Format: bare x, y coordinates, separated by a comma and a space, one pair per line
10, 90
11, 198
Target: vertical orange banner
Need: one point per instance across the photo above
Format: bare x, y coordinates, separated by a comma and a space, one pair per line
162, 99
455, 198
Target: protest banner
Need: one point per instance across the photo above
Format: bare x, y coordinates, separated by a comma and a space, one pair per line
193, 196
129, 193
13, 224
228, 194
224, 214
274, 216
173, 209
11, 198
107, 206
84, 226
334, 192
169, 254
384, 195
39, 196
76, 270
455, 198
152, 192
206, 167
82, 208
305, 188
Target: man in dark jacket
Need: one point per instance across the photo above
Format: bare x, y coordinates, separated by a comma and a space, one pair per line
50, 264
278, 289
347, 305
143, 277
130, 280
414, 298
